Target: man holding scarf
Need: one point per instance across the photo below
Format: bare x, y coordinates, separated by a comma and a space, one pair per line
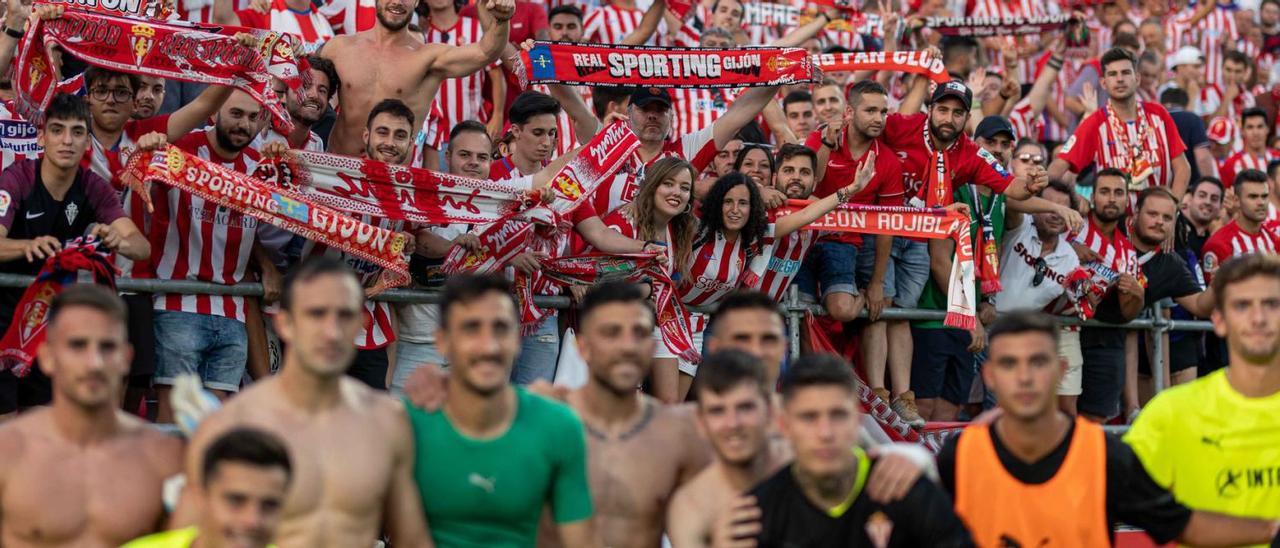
1136, 137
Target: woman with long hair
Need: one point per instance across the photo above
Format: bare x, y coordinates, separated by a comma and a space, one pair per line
734, 225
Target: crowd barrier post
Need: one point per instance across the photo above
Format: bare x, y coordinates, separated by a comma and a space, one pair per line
1158, 350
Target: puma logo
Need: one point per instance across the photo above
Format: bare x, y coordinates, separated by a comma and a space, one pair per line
482, 482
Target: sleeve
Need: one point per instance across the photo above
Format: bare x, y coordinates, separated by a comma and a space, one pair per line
103, 199
157, 124
1196, 136
1214, 253
583, 212
537, 18
593, 27
984, 169
12, 193
334, 11
1146, 438
1182, 282
1134, 498
947, 465
1227, 172
934, 521
570, 494
1080, 149
1176, 146
254, 19
699, 147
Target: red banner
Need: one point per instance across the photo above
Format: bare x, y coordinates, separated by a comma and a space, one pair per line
995, 26
148, 48
280, 207
915, 62
613, 65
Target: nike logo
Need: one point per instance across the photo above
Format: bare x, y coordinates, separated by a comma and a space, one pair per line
482, 482
1211, 441
30, 216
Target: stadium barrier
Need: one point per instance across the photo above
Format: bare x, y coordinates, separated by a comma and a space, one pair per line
1152, 321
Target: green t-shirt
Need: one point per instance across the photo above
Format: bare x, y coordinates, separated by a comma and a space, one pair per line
492, 492
935, 298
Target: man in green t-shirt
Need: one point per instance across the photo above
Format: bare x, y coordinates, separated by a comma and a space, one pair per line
246, 475
493, 456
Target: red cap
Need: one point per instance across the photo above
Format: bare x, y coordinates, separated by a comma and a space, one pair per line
1221, 130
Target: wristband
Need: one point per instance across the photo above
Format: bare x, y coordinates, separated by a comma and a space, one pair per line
828, 144
16, 34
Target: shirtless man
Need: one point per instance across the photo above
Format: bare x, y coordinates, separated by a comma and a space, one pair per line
407, 69
352, 448
638, 450
82, 472
735, 409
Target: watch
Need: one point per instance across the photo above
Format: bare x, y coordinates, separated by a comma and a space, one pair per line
16, 34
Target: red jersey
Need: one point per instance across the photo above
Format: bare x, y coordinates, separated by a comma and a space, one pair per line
1114, 250
904, 133
528, 20
309, 24
1230, 241
196, 240
1217, 28
620, 221
717, 269
699, 148
378, 329
108, 162
610, 24
1241, 161
886, 187
699, 108
1093, 143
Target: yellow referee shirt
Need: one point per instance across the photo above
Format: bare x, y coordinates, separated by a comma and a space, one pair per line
1213, 448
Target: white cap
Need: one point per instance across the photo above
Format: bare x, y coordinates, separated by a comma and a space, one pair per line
1186, 55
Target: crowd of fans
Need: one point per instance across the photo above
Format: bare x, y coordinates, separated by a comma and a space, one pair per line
1108, 164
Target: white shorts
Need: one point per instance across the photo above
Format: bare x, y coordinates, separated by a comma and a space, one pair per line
660, 350
688, 368
1069, 349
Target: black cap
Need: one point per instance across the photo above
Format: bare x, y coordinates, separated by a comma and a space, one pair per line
993, 125
643, 96
956, 89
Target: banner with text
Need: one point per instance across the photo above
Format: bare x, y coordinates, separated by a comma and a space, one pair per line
995, 26
916, 62
663, 67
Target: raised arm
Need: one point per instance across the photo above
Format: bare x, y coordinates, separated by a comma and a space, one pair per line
790, 223
15, 19
194, 114
740, 113
806, 31
456, 62
648, 24
915, 96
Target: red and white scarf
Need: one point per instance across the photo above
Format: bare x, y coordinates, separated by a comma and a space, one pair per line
1139, 153
996, 26
913, 62
664, 67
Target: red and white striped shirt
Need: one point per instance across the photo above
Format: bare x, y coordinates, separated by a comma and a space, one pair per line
1093, 143
379, 327
699, 108
716, 271
431, 135
201, 241
1013, 8
1231, 241
459, 98
108, 162
1217, 28
1115, 251
350, 16
195, 11
310, 24
1241, 161
1025, 120
698, 147
620, 221
783, 257
610, 24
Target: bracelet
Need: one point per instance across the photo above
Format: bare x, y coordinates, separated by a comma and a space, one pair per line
1055, 65
16, 34
842, 196
823, 14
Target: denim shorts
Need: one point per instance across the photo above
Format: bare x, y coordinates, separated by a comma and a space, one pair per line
214, 347
409, 357
539, 353
830, 265
906, 274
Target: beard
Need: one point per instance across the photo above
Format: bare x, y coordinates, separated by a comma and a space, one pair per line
224, 138
947, 136
398, 159
393, 26
1148, 239
1105, 216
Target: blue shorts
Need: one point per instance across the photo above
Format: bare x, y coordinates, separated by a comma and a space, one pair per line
409, 357
941, 364
214, 347
906, 274
539, 353
830, 265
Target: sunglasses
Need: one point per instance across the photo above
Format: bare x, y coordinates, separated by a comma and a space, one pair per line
1041, 268
1028, 157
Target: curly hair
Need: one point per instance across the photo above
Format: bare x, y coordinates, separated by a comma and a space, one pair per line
713, 214
683, 226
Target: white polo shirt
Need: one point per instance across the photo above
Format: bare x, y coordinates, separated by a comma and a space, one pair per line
1022, 247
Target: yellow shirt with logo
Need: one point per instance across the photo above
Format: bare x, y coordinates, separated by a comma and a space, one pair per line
1212, 447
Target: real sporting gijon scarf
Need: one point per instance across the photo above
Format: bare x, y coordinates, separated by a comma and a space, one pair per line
664, 67
280, 207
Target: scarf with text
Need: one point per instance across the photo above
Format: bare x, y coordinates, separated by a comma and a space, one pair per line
1136, 151
935, 223
664, 67
78, 262
593, 268
176, 51
280, 207
360, 186
916, 62
995, 26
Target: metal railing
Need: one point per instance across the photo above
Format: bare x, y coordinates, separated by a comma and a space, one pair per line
794, 309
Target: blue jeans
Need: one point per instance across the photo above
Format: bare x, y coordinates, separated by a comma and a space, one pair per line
538, 354
214, 347
828, 267
906, 274
409, 357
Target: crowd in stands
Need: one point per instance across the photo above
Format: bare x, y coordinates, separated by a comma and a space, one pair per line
1115, 159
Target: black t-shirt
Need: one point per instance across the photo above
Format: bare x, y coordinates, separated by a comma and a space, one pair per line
924, 517
1191, 130
1187, 238
1132, 496
1108, 310
1168, 277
